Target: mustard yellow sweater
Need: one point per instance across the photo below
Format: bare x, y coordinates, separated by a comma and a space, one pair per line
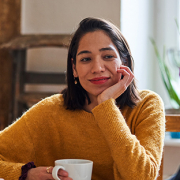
124, 145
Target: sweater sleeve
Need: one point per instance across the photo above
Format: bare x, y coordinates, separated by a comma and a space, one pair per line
138, 155
16, 149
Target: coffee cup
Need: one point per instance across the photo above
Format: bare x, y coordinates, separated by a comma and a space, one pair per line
78, 169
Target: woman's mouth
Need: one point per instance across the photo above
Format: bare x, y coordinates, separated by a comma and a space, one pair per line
99, 80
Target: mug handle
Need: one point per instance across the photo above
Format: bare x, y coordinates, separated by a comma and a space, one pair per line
55, 172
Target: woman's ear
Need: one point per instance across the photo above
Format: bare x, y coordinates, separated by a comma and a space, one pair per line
74, 68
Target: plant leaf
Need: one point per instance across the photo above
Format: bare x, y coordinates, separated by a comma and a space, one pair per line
165, 73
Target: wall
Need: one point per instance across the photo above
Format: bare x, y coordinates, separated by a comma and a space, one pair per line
136, 25
59, 16
171, 159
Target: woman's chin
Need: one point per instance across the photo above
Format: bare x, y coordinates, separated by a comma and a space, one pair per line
95, 94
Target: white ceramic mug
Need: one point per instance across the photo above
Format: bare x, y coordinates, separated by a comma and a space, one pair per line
78, 169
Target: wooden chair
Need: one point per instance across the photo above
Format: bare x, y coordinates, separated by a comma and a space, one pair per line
172, 125
18, 48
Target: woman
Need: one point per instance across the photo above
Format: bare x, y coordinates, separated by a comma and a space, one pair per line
100, 116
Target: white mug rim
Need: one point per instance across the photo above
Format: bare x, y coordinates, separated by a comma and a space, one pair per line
63, 161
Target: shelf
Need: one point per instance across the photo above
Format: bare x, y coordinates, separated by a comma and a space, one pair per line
172, 125
172, 142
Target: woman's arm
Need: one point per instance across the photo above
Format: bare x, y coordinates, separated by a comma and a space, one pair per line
136, 155
26, 140
16, 149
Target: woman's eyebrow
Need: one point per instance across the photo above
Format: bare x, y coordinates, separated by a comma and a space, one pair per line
84, 52
102, 49
106, 49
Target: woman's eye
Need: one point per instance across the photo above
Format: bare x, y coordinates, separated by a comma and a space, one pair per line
85, 59
108, 57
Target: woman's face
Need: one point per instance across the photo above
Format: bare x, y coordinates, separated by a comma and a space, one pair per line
97, 61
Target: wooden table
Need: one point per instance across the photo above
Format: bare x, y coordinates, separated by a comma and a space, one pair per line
173, 120
172, 125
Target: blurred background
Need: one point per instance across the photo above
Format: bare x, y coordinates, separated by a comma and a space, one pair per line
138, 20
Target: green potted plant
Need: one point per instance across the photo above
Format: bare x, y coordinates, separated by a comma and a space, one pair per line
170, 72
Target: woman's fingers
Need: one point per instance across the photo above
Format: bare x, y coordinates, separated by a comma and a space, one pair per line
61, 172
49, 172
63, 175
125, 70
39, 173
127, 74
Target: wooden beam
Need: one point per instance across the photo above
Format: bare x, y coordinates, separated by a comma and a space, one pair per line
37, 40
9, 28
45, 78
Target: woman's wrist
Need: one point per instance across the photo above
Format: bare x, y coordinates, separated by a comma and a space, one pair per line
25, 169
101, 99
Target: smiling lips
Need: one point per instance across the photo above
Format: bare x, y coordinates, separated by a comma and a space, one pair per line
99, 80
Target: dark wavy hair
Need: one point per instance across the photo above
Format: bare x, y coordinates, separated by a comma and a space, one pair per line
75, 95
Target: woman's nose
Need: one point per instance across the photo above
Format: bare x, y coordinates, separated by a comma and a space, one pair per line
97, 66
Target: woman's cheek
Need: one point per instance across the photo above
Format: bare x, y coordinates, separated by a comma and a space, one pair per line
117, 77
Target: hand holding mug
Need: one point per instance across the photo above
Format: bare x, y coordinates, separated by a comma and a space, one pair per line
78, 169
44, 173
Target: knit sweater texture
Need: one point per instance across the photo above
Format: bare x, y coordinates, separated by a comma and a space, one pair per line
124, 144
